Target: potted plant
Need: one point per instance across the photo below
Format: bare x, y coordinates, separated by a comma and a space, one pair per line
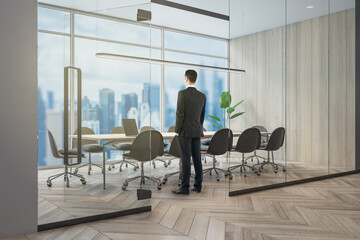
225, 102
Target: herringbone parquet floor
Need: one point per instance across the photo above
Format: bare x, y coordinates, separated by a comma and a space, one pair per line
328, 209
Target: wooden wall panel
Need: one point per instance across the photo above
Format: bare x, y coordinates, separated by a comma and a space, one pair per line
350, 90
303, 88
337, 84
291, 93
319, 90
317, 96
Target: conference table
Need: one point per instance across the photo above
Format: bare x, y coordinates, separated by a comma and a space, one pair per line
110, 138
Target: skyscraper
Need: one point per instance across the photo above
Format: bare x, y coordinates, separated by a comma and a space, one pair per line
128, 101
107, 110
41, 130
50, 95
151, 95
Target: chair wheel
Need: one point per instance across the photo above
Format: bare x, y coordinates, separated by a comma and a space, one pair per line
120, 169
258, 174
83, 181
164, 180
230, 177
210, 173
89, 172
113, 166
135, 168
123, 187
49, 184
218, 179
109, 168
284, 170
126, 165
165, 165
159, 187
244, 175
275, 171
67, 185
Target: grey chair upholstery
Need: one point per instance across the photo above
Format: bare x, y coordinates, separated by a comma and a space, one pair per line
173, 152
219, 144
262, 143
146, 147
147, 128
89, 146
123, 147
248, 142
276, 141
72, 153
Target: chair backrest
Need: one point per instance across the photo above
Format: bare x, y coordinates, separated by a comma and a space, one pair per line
174, 148
84, 131
276, 139
220, 142
171, 129
248, 140
146, 128
147, 146
53, 146
117, 130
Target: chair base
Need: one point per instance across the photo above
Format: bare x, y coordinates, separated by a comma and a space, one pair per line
215, 169
66, 175
142, 179
243, 167
272, 163
121, 162
89, 165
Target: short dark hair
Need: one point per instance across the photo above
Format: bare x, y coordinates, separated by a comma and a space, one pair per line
191, 75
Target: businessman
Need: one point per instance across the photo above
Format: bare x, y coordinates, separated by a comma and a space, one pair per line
190, 115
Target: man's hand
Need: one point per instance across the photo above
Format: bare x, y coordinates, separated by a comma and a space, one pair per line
176, 134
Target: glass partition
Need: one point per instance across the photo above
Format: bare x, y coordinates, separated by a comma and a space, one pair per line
300, 75
112, 90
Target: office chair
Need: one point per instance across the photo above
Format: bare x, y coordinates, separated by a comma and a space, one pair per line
247, 143
123, 147
173, 152
89, 146
263, 141
276, 141
147, 128
219, 144
60, 154
146, 147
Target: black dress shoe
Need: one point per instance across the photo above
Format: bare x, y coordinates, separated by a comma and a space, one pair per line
181, 191
195, 189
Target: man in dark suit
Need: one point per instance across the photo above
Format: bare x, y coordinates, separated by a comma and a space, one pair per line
190, 115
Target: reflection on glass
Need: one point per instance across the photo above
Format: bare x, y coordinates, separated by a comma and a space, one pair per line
115, 30
53, 56
53, 20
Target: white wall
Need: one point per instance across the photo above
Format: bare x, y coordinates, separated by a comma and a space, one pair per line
18, 121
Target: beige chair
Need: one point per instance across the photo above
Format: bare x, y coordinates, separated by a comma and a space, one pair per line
146, 147
60, 154
122, 146
89, 146
147, 128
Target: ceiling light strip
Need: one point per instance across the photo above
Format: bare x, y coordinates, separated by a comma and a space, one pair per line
166, 62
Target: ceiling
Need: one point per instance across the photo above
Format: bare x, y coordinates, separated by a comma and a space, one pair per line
246, 16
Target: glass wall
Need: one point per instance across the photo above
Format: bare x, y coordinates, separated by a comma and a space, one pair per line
300, 76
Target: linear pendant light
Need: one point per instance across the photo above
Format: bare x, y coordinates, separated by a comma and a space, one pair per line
166, 62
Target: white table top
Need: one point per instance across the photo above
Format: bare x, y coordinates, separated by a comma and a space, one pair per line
123, 137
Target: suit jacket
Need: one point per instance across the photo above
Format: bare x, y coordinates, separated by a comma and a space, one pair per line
190, 113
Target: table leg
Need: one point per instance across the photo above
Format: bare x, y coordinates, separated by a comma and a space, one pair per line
103, 170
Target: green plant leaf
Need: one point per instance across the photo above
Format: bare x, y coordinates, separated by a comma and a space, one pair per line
236, 115
215, 118
230, 110
238, 104
215, 124
225, 99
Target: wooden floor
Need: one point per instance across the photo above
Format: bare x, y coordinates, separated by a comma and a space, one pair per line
61, 203
328, 209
